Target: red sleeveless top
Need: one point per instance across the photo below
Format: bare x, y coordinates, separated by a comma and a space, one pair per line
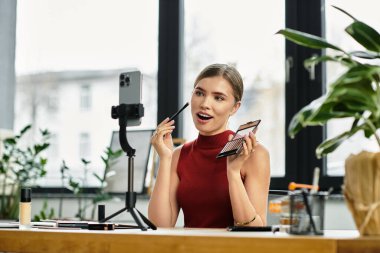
203, 191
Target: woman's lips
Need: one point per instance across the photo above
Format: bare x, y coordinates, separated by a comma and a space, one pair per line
203, 117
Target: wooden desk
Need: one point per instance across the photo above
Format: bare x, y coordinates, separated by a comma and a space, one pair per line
182, 240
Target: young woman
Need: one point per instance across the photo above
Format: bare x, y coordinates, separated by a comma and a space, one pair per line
213, 193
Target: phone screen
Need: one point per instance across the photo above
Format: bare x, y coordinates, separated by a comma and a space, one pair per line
235, 145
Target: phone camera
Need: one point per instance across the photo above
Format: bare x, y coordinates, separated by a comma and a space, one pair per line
127, 80
124, 80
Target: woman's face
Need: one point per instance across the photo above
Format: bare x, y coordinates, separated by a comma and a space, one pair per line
212, 103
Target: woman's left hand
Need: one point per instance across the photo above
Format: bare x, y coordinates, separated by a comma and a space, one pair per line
235, 163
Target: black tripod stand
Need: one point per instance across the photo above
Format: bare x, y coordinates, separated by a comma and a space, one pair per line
123, 112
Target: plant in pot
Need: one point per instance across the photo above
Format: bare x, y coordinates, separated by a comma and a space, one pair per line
19, 167
355, 94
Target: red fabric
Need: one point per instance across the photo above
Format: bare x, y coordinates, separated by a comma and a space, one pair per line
203, 191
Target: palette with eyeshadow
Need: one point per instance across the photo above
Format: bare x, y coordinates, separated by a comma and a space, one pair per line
235, 145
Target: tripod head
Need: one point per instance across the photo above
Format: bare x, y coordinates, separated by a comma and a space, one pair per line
123, 112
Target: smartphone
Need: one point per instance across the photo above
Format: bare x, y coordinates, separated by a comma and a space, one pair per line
235, 145
251, 229
130, 84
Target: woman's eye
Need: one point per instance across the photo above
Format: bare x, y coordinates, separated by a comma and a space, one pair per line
219, 98
198, 93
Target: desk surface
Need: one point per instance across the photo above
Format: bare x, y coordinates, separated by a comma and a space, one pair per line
182, 240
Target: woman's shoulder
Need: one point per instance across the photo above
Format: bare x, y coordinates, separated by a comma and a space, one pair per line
177, 150
259, 158
261, 150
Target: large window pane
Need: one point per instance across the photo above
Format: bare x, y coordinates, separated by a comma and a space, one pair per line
69, 56
336, 22
233, 32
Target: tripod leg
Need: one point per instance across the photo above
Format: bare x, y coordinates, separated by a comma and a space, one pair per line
113, 215
147, 221
137, 219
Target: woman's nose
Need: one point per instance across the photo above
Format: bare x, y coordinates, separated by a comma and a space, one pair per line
205, 103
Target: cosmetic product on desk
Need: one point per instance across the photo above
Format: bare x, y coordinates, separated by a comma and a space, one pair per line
253, 229
25, 208
280, 207
307, 212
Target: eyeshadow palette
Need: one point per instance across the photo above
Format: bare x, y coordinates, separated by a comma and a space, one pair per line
235, 145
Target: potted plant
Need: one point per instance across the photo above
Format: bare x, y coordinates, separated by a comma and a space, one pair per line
356, 95
19, 167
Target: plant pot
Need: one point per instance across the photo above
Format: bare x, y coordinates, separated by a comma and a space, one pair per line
362, 191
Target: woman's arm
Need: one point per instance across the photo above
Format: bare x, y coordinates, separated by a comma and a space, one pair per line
163, 207
249, 199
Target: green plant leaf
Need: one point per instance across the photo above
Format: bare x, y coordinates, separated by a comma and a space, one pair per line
85, 162
43, 161
345, 12
24, 130
365, 35
10, 141
358, 74
43, 215
105, 160
342, 59
299, 120
330, 145
45, 132
307, 40
98, 177
39, 148
365, 54
354, 97
51, 213
2, 168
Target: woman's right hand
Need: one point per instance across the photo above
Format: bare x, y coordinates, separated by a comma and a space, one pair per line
162, 139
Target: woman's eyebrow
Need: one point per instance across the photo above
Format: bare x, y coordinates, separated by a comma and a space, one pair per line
214, 93
219, 93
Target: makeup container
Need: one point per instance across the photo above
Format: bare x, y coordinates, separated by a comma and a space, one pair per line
307, 212
25, 208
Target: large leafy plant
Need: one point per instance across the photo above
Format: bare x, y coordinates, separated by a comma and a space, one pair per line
355, 94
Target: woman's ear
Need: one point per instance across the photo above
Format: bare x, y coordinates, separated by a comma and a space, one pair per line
235, 108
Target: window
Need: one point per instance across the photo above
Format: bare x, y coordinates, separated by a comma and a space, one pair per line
240, 33
80, 48
85, 97
234, 34
336, 22
84, 145
53, 100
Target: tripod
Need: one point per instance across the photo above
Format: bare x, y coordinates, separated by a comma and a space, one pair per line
123, 112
